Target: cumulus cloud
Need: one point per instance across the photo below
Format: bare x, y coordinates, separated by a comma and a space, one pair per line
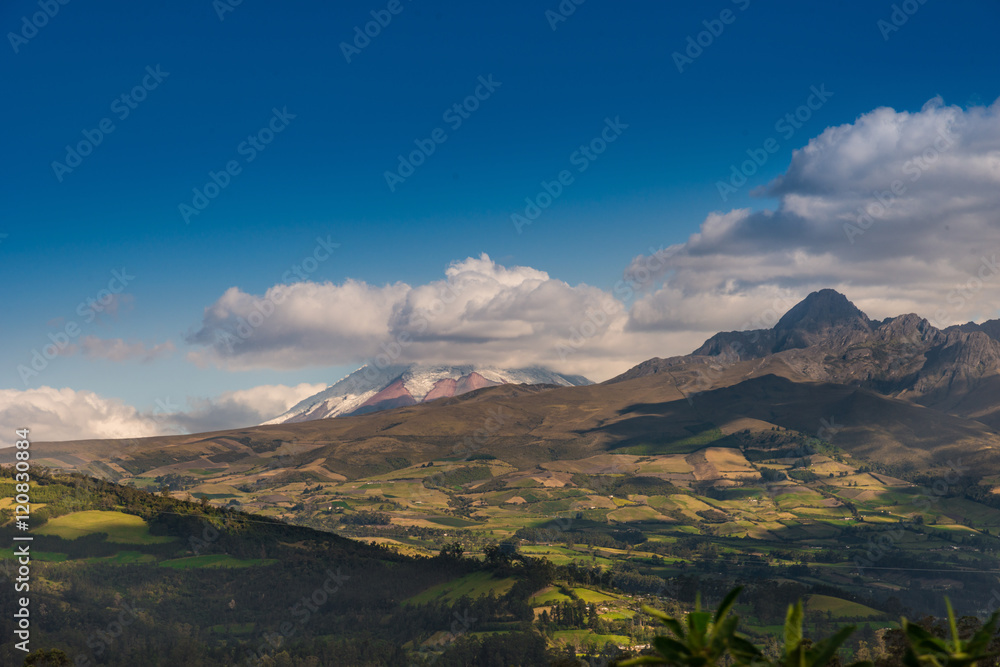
480, 312
292, 326
117, 349
897, 210
66, 414
241, 408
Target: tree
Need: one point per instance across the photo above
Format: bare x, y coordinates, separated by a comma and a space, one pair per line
707, 641
50, 658
452, 551
926, 650
712, 641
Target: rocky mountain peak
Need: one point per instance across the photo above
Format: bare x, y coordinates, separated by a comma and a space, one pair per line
907, 330
821, 311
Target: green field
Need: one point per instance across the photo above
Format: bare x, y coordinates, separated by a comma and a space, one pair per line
618, 615
634, 514
451, 522
119, 527
473, 585
125, 558
37, 555
588, 637
547, 596
839, 608
215, 560
598, 510
232, 628
590, 596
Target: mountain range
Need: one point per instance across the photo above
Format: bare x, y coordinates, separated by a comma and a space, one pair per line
849, 459
826, 338
371, 388
900, 391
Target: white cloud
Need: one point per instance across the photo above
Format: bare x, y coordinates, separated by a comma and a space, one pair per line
66, 414
245, 407
296, 325
480, 312
896, 210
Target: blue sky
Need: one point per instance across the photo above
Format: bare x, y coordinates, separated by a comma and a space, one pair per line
323, 175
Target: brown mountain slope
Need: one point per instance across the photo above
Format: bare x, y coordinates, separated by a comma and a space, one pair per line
825, 338
530, 425
900, 391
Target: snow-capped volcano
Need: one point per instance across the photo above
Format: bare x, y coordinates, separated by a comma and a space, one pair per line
370, 388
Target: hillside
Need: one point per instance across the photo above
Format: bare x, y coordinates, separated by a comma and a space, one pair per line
530, 561
810, 455
527, 426
122, 577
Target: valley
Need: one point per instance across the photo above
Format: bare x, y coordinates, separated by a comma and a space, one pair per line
558, 511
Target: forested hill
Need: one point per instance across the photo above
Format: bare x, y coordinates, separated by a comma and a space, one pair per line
120, 576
